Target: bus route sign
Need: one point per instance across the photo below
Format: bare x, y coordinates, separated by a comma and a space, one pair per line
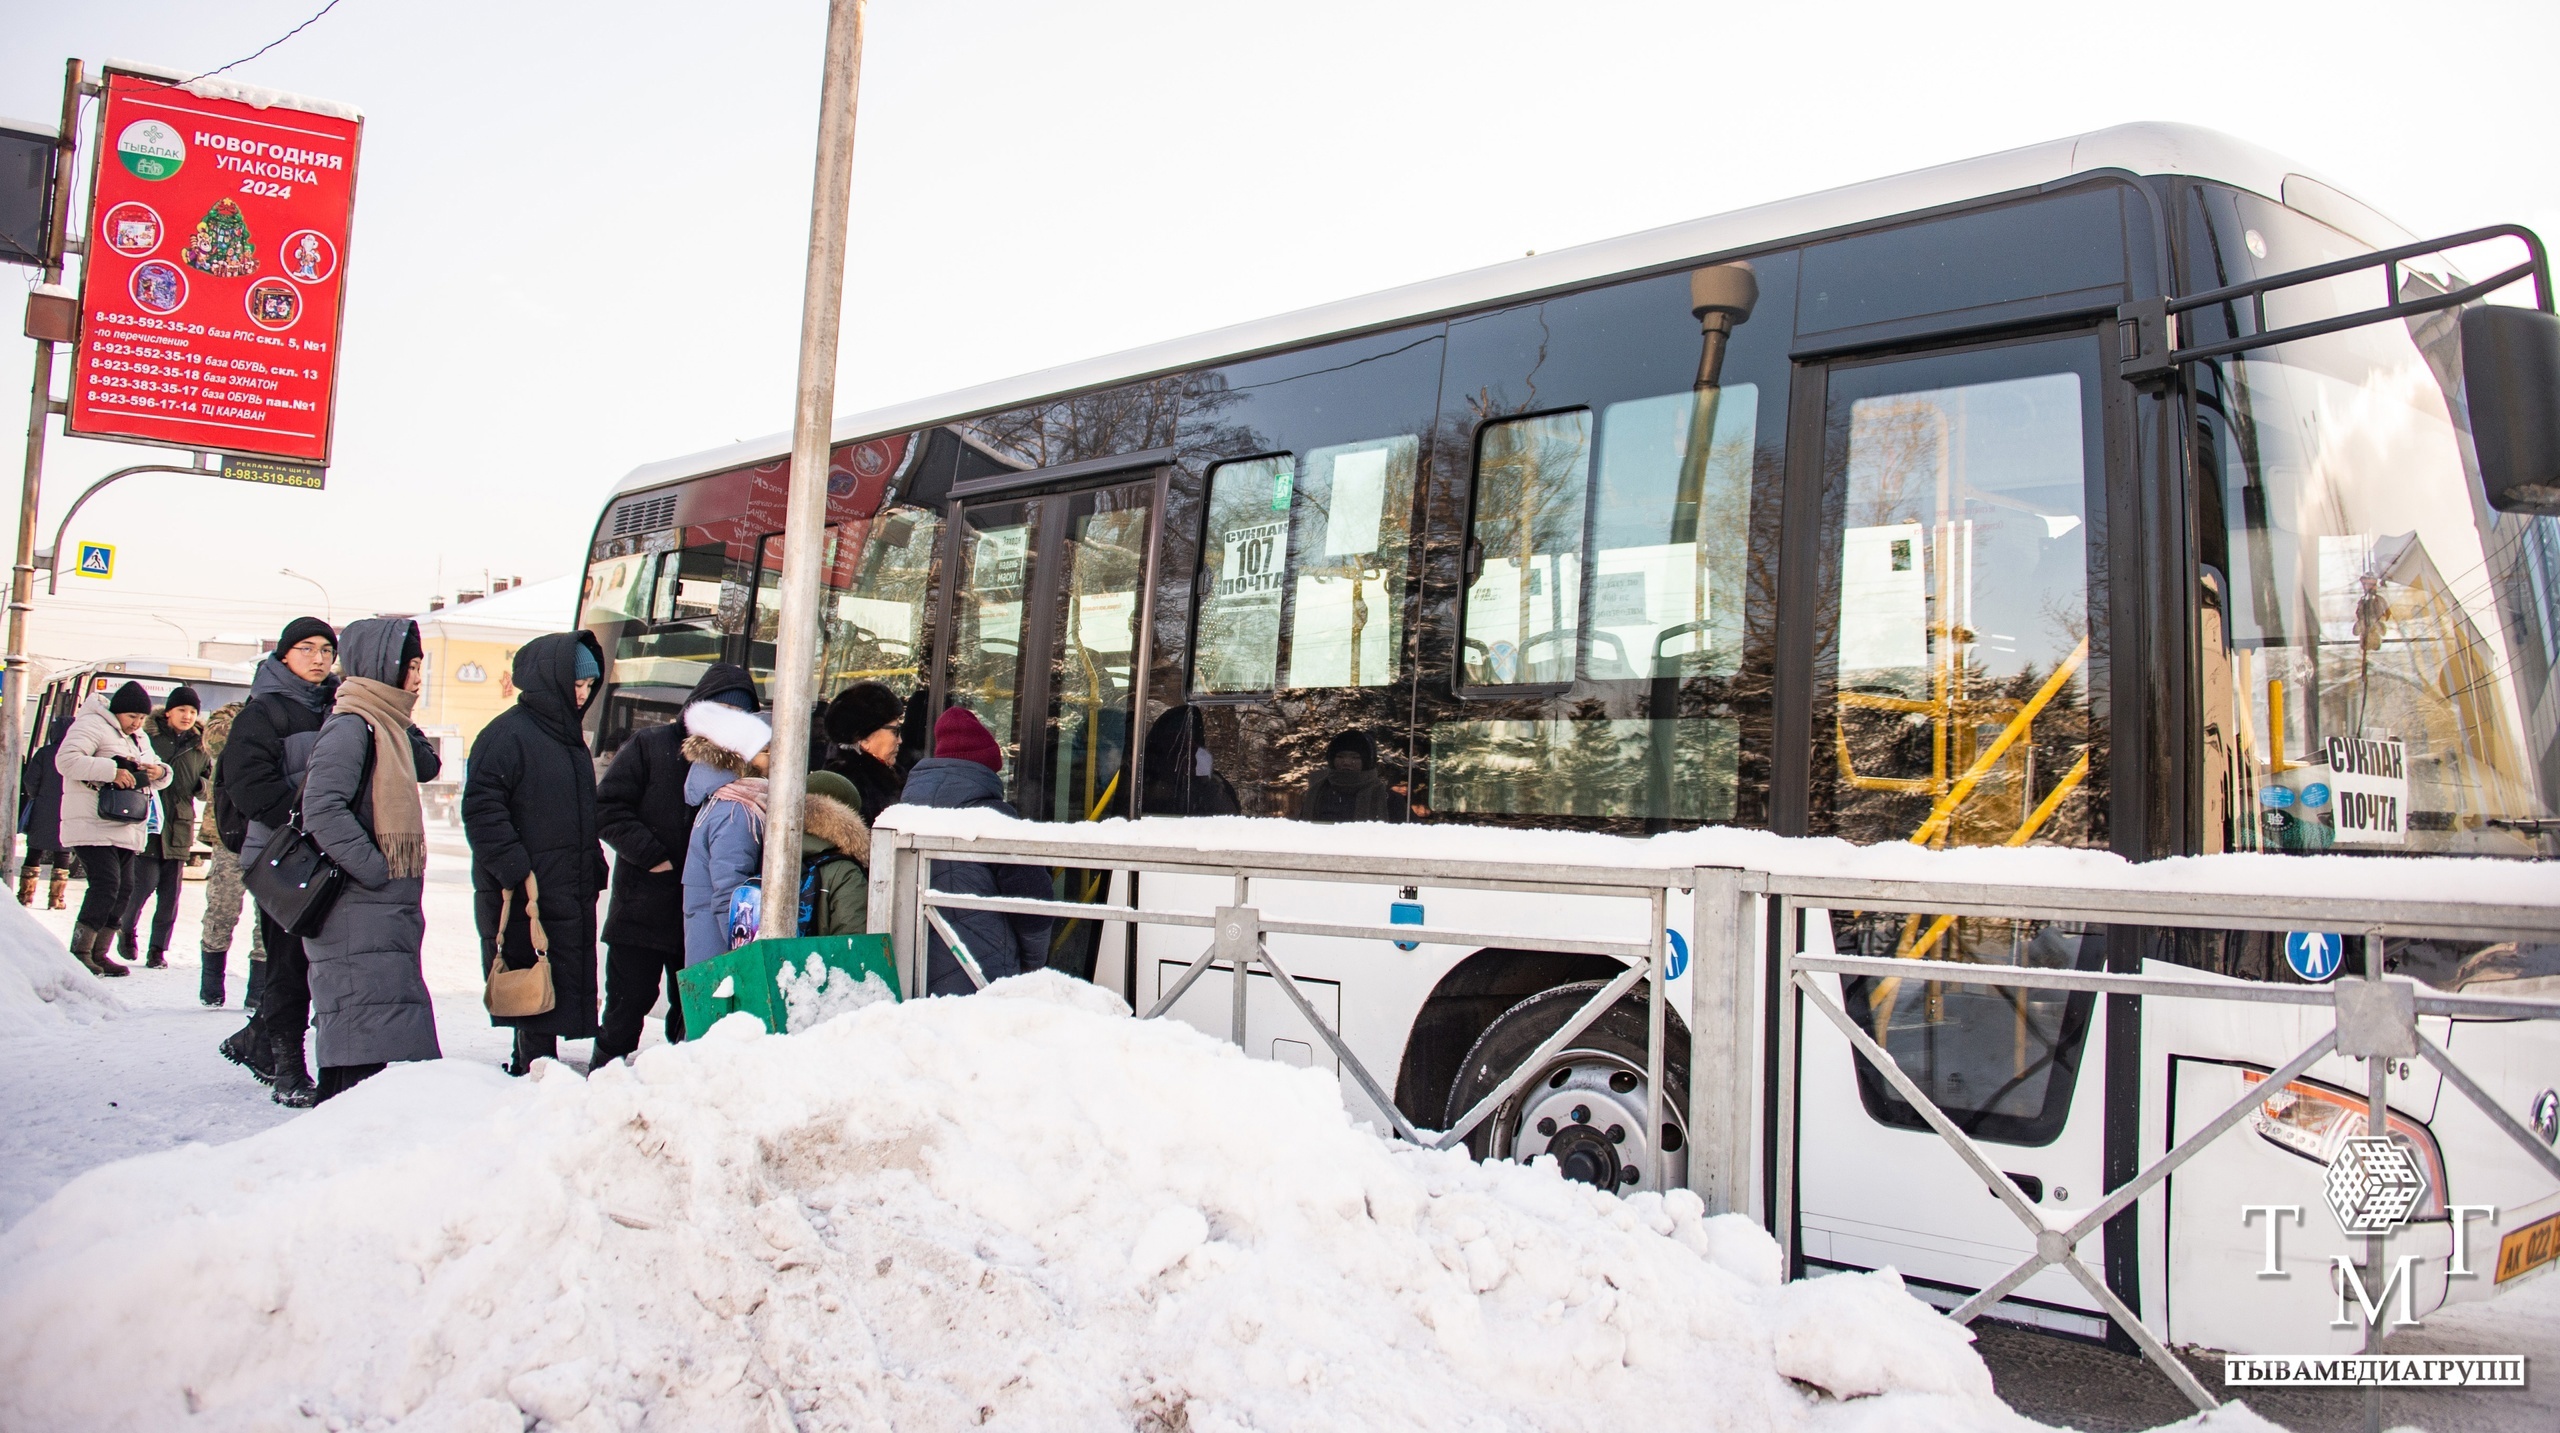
211, 298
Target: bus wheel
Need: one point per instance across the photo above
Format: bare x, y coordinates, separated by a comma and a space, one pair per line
1584, 1106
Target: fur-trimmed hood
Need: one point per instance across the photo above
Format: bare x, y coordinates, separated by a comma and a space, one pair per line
707, 752
827, 822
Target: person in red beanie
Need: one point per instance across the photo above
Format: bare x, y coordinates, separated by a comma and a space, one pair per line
961, 775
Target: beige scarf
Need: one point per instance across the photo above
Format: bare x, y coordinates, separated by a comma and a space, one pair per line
399, 821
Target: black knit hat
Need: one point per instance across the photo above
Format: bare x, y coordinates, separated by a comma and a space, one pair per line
411, 649
302, 629
183, 696
130, 700
861, 709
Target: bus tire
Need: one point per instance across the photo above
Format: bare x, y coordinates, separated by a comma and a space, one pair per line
1585, 1106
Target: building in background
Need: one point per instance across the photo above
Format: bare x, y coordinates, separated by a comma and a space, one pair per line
471, 653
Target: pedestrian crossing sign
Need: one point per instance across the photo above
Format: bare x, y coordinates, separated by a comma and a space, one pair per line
97, 559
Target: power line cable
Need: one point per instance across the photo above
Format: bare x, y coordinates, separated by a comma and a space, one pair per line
271, 44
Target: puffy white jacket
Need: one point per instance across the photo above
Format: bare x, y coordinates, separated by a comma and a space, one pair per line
87, 762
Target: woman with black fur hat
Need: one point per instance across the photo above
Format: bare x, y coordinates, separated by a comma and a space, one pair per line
864, 722
100, 752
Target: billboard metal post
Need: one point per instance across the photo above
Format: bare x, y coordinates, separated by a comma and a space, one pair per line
22, 575
812, 440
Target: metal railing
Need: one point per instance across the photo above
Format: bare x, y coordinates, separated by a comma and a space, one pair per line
2374, 1019
905, 905
1733, 1081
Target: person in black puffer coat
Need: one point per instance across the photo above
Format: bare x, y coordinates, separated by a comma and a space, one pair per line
961, 775
529, 810
864, 722
642, 815
290, 694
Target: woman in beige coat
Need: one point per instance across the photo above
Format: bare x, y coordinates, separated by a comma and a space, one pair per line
101, 751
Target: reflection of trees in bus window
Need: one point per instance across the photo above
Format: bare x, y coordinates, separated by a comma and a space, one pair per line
1670, 527
2365, 599
1961, 637
875, 624
1328, 537
1525, 549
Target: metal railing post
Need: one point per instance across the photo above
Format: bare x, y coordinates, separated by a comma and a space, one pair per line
1782, 1152
1724, 1023
1239, 943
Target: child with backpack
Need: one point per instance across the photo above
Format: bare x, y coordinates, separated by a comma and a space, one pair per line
724, 860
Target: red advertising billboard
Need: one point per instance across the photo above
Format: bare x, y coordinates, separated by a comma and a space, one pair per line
215, 268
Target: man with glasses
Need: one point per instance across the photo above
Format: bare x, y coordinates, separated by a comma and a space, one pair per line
261, 776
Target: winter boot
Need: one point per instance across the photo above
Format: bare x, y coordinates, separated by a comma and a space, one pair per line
257, 982
26, 885
156, 960
61, 883
247, 1048
293, 1076
209, 985
89, 947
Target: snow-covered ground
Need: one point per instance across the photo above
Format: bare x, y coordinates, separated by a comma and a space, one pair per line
1022, 1210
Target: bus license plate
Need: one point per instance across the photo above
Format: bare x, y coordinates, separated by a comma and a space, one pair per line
2529, 1248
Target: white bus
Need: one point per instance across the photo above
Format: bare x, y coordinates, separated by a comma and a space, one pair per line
1893, 512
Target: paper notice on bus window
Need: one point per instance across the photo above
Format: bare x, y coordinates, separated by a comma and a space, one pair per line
1250, 575
1884, 598
2369, 790
1358, 504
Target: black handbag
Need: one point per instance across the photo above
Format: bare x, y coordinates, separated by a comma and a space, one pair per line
293, 879
127, 804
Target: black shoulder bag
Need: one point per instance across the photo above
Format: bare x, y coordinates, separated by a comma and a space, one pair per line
294, 880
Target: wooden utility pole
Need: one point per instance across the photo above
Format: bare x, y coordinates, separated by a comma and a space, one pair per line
795, 647
22, 577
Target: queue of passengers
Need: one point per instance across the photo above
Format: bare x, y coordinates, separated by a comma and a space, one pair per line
324, 753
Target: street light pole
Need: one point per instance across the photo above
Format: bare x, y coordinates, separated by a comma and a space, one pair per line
22, 577
326, 605
795, 648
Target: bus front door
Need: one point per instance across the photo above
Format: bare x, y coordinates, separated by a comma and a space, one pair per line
1950, 706
1046, 643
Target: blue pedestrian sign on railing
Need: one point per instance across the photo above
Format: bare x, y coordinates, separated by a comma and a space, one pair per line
97, 559
2315, 955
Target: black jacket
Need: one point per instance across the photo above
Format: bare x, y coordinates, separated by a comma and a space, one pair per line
255, 776
642, 815
42, 785
875, 781
190, 775
529, 808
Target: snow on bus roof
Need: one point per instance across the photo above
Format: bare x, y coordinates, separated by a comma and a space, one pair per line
2439, 879
2150, 148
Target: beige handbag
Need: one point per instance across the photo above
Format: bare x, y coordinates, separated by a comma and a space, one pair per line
515, 994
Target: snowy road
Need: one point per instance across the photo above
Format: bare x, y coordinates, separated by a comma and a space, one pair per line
150, 1079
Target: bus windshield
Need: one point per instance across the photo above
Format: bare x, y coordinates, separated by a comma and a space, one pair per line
2379, 643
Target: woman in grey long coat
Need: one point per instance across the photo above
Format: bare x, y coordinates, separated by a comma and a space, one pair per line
369, 998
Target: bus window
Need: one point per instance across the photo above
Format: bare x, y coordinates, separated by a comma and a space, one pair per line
654, 613
2384, 639
1328, 535
1524, 550
876, 621
1670, 522
995, 576
1958, 634
1244, 563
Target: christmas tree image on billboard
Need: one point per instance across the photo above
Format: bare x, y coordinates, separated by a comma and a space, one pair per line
221, 245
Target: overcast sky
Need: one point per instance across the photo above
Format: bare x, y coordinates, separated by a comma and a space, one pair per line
579, 227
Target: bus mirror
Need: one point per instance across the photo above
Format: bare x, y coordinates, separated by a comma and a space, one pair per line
2511, 383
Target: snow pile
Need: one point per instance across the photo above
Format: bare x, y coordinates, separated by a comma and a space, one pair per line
41, 986
817, 992
1021, 1209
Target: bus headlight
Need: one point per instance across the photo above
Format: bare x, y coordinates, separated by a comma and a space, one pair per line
2312, 1120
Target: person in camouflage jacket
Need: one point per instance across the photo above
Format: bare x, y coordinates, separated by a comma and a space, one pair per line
223, 892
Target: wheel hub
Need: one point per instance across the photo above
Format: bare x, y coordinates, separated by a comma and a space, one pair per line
1587, 1111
